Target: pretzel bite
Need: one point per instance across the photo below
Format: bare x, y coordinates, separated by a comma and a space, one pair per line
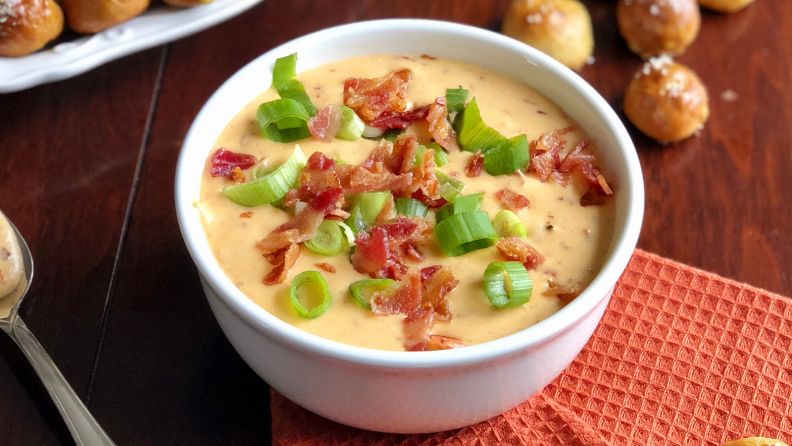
725, 5
658, 27
92, 16
27, 25
186, 2
666, 101
558, 28
755, 441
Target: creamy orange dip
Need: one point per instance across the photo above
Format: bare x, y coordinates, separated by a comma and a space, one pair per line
572, 238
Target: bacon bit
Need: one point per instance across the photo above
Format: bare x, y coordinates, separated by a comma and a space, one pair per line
291, 198
545, 155
473, 169
426, 56
236, 175
4, 254
592, 198
431, 202
437, 342
357, 179
325, 124
338, 214
513, 201
303, 226
318, 161
388, 211
585, 162
399, 120
246, 215
422, 305
413, 253
439, 127
429, 271
284, 261
516, 249
566, 293
380, 254
326, 266
369, 98
224, 161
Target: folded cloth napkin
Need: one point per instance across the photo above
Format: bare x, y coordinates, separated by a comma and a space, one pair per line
681, 357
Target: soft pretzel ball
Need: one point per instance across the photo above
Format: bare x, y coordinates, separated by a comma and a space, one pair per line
725, 5
666, 101
658, 27
559, 28
27, 25
92, 16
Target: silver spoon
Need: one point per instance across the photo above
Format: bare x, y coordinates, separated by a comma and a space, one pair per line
82, 425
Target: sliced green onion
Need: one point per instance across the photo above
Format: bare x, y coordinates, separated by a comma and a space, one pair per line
270, 187
507, 284
462, 203
507, 224
462, 233
340, 161
367, 206
309, 278
262, 170
348, 233
357, 288
411, 207
283, 120
508, 157
284, 79
329, 239
455, 99
351, 125
450, 187
440, 157
472, 133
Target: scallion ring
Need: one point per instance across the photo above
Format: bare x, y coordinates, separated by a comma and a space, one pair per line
310, 278
509, 157
450, 187
455, 99
472, 133
283, 120
329, 239
270, 187
357, 288
507, 224
284, 79
351, 125
462, 233
507, 284
411, 207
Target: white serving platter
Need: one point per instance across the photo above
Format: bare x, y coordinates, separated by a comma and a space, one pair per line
158, 25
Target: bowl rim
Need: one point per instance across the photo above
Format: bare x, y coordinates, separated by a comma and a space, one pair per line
545, 330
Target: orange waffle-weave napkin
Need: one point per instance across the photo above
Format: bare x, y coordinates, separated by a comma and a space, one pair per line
681, 357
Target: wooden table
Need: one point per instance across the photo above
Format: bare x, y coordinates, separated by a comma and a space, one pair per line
88, 165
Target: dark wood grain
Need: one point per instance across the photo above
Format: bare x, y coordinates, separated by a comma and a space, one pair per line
164, 372
68, 152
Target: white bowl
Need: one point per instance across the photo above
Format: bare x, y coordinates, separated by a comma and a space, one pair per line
411, 392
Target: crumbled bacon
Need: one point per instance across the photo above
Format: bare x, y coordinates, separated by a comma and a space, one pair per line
513, 201
318, 161
517, 249
399, 120
429, 271
426, 56
283, 261
388, 211
325, 124
585, 162
369, 98
473, 169
4, 254
224, 161
398, 158
236, 175
291, 198
545, 155
439, 127
357, 179
299, 229
413, 253
437, 342
246, 215
380, 252
566, 293
326, 266
422, 304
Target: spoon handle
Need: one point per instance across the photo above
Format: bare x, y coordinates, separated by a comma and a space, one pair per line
84, 428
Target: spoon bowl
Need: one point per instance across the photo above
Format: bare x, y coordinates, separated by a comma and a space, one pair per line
82, 425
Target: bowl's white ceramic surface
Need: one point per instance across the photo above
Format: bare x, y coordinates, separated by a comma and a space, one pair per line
158, 25
413, 391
